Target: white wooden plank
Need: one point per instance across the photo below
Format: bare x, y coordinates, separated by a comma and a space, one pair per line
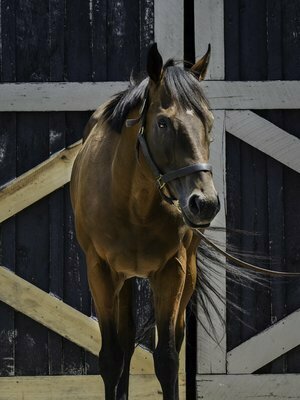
77, 387
209, 28
265, 136
168, 28
275, 341
61, 318
38, 182
212, 353
72, 96
245, 387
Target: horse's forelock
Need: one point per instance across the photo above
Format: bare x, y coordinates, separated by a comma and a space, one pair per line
182, 87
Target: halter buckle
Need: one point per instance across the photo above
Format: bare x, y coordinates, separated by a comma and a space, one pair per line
160, 183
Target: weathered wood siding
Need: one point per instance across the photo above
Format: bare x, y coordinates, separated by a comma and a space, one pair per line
262, 42
49, 41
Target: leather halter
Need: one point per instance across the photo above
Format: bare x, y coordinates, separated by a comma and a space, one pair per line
161, 178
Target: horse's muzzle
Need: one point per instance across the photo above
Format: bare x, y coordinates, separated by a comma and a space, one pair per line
199, 210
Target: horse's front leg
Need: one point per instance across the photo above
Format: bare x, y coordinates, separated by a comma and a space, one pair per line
105, 287
167, 286
126, 332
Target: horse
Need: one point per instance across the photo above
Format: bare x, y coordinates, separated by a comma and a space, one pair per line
140, 184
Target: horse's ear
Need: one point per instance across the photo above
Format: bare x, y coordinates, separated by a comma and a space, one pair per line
154, 63
200, 67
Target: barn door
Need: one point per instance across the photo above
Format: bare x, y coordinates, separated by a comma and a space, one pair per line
257, 354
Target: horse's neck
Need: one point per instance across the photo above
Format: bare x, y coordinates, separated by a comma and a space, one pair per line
133, 186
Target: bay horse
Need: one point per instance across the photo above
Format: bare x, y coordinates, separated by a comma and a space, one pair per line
145, 150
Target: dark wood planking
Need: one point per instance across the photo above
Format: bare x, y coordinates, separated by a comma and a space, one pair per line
252, 66
291, 70
8, 172
32, 64
275, 178
56, 40
75, 293
32, 247
146, 30
78, 41
253, 39
75, 289
8, 41
122, 39
7, 241
78, 67
253, 58
233, 195
260, 65
99, 38
248, 241
233, 223
232, 39
56, 199
292, 234
261, 247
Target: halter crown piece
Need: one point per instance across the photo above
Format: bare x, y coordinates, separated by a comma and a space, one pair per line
161, 178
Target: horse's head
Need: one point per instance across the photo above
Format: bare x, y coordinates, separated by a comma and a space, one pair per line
177, 131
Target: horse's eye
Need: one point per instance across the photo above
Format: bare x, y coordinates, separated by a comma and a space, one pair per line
162, 124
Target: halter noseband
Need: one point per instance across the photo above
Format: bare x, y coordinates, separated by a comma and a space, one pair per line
160, 178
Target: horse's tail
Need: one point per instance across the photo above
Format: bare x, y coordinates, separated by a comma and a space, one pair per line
212, 295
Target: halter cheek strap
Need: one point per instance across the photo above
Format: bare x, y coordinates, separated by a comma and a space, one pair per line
162, 179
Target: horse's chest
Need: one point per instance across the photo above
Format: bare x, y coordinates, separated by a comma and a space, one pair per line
140, 253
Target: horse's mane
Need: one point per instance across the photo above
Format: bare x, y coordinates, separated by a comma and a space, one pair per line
182, 86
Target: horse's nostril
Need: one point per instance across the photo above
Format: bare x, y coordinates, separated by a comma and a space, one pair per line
195, 204
203, 207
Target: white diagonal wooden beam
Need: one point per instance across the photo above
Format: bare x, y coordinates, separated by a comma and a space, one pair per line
73, 96
265, 136
274, 341
60, 317
37, 182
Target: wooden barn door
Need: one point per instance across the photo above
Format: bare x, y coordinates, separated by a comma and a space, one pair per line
257, 354
59, 60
